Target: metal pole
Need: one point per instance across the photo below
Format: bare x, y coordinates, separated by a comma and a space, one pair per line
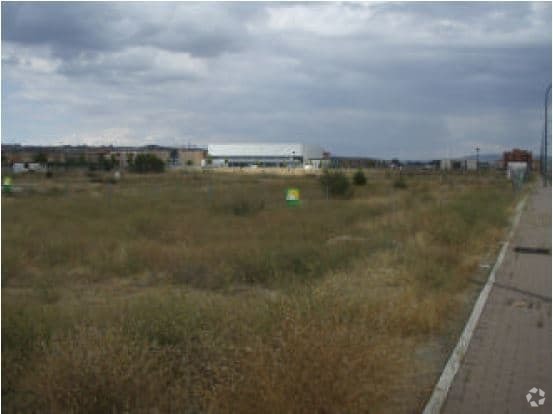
545, 138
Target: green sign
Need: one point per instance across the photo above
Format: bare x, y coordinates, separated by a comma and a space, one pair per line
293, 196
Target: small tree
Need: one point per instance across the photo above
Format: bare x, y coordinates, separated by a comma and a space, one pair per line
359, 177
130, 159
400, 183
144, 163
41, 158
105, 163
336, 184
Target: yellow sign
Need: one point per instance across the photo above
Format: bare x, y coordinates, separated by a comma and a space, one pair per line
7, 186
292, 196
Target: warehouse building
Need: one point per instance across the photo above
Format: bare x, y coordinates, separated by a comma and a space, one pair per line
265, 155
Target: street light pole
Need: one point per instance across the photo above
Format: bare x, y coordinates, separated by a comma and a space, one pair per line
544, 168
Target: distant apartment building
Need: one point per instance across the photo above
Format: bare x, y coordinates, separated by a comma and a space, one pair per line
83, 155
462, 164
354, 162
191, 157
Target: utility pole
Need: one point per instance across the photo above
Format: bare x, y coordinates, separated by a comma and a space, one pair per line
478, 159
548, 90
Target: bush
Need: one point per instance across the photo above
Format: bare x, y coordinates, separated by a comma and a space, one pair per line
336, 184
246, 207
144, 163
106, 164
240, 206
359, 177
400, 183
98, 371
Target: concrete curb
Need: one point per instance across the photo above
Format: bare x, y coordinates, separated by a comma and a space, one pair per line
439, 395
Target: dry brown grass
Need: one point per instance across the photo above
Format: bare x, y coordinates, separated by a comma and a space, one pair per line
148, 307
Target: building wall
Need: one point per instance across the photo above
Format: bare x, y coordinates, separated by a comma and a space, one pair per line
19, 156
254, 150
312, 152
162, 154
92, 155
517, 155
449, 164
471, 165
194, 156
268, 152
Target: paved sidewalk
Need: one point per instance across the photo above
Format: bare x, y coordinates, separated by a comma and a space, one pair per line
510, 350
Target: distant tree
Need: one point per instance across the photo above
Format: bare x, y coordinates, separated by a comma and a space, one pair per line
359, 177
130, 159
105, 163
40, 158
144, 163
174, 156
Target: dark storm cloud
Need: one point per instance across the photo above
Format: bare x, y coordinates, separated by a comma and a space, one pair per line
66, 28
74, 28
383, 79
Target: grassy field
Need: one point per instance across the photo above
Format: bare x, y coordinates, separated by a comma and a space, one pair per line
204, 292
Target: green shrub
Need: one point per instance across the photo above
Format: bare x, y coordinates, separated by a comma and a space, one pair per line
336, 184
359, 177
144, 163
98, 371
400, 183
106, 164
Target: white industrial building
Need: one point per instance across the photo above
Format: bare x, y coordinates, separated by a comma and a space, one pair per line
466, 165
265, 155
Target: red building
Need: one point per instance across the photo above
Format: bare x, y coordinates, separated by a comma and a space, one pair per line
517, 155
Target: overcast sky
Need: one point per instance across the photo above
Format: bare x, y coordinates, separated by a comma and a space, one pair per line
408, 80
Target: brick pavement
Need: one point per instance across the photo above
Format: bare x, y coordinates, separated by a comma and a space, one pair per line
510, 350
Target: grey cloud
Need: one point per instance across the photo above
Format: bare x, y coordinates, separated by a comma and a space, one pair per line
67, 28
71, 29
221, 72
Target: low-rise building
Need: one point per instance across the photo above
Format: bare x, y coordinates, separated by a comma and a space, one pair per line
265, 154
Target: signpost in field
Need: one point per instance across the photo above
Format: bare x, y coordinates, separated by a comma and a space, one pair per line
293, 197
